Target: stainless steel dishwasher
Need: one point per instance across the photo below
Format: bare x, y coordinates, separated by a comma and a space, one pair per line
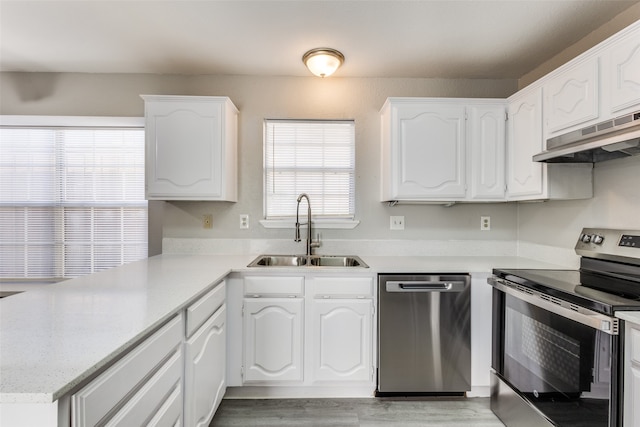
424, 334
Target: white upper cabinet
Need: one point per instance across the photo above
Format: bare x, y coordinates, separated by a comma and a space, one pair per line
571, 97
431, 152
423, 150
529, 180
524, 176
622, 80
191, 148
486, 148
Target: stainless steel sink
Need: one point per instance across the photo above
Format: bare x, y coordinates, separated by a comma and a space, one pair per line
310, 261
336, 261
279, 261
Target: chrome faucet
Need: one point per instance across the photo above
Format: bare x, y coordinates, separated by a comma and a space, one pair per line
310, 243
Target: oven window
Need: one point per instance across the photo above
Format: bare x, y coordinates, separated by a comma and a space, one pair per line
559, 365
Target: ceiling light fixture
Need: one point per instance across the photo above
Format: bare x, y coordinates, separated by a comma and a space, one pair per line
323, 61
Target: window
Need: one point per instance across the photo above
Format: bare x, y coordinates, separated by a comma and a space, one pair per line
71, 200
316, 157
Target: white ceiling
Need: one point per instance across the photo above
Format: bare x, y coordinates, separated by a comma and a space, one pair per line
392, 38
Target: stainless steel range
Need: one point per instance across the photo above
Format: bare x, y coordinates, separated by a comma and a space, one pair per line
557, 345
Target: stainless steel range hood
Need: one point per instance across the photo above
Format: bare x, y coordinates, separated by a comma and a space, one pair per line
611, 139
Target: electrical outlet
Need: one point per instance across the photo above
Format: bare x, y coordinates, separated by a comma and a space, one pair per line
485, 223
207, 221
244, 221
396, 223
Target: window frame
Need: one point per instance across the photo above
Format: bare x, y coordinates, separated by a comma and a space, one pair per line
70, 122
318, 222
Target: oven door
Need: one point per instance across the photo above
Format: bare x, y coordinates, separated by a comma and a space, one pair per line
559, 361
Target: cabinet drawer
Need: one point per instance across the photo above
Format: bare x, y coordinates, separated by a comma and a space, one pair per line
343, 286
170, 413
273, 285
152, 395
201, 310
634, 335
96, 400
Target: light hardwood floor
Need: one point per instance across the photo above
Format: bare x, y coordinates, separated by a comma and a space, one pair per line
388, 412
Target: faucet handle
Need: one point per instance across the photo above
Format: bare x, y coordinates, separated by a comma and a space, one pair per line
316, 243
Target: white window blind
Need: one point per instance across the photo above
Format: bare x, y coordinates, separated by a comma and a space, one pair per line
316, 157
71, 200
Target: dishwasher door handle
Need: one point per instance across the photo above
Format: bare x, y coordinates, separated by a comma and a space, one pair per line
426, 286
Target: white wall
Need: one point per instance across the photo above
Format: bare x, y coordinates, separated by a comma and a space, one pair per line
277, 97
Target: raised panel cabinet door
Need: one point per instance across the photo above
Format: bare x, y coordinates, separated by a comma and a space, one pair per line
624, 71
191, 148
429, 152
205, 370
486, 144
342, 340
184, 142
273, 331
571, 97
524, 139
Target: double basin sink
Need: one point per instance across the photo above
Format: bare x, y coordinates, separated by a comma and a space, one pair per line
307, 261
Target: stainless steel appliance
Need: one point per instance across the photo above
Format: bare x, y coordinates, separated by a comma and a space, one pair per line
424, 336
610, 139
557, 345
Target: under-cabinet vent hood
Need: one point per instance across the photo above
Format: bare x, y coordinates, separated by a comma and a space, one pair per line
611, 139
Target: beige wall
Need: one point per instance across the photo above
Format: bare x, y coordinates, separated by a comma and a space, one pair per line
278, 97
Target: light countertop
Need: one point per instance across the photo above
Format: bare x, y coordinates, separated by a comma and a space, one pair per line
54, 337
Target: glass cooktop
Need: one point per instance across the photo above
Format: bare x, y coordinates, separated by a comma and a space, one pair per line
590, 290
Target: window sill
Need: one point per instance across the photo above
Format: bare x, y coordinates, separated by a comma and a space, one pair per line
317, 224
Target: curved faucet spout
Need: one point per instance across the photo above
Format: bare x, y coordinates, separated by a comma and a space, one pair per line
310, 243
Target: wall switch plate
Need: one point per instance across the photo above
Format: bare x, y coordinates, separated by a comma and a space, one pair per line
244, 221
207, 221
485, 223
396, 223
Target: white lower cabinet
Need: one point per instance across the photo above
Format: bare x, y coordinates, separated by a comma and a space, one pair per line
134, 388
205, 352
152, 401
273, 339
632, 375
175, 377
314, 332
204, 379
342, 340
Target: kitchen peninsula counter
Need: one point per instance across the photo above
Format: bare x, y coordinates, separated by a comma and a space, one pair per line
55, 338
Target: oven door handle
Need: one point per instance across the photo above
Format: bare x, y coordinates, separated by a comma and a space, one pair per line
581, 315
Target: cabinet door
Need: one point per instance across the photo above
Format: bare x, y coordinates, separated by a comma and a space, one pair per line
624, 72
571, 97
190, 148
205, 369
342, 340
273, 339
524, 176
428, 152
487, 152
632, 376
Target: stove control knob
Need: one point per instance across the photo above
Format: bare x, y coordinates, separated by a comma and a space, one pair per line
585, 238
597, 239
